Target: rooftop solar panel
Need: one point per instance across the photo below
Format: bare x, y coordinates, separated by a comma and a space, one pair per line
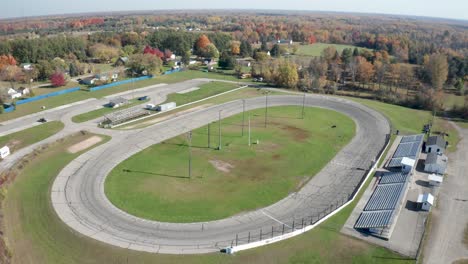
374, 219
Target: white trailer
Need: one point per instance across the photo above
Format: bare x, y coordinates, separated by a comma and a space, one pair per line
167, 106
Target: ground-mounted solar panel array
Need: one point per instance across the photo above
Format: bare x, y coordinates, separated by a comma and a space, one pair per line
409, 147
379, 213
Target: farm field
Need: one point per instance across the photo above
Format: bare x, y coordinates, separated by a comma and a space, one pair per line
236, 179
24, 138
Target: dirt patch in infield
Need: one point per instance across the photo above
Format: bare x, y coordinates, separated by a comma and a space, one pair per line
222, 165
84, 144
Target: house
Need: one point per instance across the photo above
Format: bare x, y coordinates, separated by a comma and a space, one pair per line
121, 61
435, 144
426, 201
209, 61
89, 80
244, 63
407, 164
192, 62
26, 66
13, 94
435, 180
436, 163
4, 152
24, 90
117, 102
285, 41
102, 77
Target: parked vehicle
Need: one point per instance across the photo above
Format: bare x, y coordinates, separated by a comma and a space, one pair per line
142, 98
150, 107
42, 120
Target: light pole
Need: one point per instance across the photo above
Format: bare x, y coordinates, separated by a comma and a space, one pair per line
190, 154
219, 129
249, 130
243, 115
303, 105
266, 107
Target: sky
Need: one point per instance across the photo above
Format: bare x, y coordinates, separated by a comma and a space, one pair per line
455, 9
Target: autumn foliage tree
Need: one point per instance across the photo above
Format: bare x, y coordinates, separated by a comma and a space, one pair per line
201, 45
58, 79
6, 60
154, 51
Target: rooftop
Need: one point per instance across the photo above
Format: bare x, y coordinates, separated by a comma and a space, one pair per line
436, 140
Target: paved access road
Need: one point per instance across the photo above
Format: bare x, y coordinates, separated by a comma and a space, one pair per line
450, 216
79, 200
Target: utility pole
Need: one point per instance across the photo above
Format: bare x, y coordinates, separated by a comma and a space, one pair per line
219, 129
303, 105
190, 154
249, 130
133, 84
243, 115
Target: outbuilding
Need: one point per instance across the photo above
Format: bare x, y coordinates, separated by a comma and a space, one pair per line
4, 152
407, 164
435, 180
426, 201
436, 163
435, 144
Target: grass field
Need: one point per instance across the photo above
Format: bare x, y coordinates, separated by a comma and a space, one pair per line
24, 138
206, 90
104, 110
56, 101
36, 235
238, 178
315, 50
411, 121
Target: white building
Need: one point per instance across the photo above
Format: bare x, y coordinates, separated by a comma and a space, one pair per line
426, 201
435, 144
436, 163
4, 152
407, 164
435, 180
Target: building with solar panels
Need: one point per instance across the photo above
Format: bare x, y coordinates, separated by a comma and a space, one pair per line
379, 215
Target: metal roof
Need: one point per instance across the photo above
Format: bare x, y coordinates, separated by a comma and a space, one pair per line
413, 138
395, 162
409, 149
436, 140
394, 177
385, 197
374, 219
435, 158
436, 178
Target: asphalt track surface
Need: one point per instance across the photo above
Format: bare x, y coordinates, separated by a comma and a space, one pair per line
79, 200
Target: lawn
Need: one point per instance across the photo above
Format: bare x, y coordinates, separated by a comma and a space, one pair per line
239, 178
411, 121
105, 110
24, 138
56, 101
36, 235
315, 50
206, 90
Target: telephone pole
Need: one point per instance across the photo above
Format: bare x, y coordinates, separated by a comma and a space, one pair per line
190, 154
249, 130
219, 129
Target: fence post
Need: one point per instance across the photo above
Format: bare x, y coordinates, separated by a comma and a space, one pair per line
248, 239
282, 232
302, 225
271, 231
237, 238
293, 226
261, 234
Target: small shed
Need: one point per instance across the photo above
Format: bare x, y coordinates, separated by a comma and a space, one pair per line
435, 144
436, 163
426, 201
89, 81
407, 164
4, 152
435, 180
122, 61
117, 102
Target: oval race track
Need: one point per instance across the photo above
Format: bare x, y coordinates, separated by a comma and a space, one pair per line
79, 200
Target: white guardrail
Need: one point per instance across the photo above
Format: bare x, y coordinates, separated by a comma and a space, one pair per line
234, 249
